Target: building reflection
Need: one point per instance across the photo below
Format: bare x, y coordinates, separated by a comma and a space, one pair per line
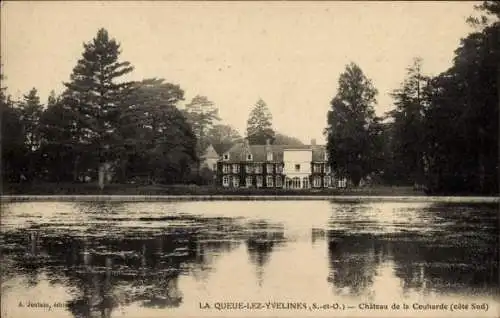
261, 238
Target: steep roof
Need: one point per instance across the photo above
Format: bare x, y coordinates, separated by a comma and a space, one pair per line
238, 153
210, 153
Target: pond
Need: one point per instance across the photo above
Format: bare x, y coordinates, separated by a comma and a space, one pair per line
249, 258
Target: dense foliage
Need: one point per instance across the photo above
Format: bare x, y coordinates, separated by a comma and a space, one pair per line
443, 131
350, 123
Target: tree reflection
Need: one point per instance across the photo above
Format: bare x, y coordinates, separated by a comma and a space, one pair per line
458, 252
106, 270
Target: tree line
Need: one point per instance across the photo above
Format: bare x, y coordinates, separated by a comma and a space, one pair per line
136, 129
442, 133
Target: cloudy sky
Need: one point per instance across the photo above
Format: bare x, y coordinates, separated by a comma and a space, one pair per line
290, 54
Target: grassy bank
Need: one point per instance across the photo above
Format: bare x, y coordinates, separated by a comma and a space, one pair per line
131, 189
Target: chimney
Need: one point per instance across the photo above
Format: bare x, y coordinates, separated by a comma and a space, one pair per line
313, 142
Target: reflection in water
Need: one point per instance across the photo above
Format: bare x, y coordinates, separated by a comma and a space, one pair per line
114, 256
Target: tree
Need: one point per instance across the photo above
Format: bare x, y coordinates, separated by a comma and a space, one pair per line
30, 113
13, 152
159, 143
408, 141
462, 119
282, 139
59, 144
349, 120
223, 137
259, 124
201, 114
97, 98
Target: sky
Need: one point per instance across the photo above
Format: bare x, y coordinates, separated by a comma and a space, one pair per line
290, 54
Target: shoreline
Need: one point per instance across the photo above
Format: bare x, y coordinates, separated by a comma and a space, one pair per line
174, 198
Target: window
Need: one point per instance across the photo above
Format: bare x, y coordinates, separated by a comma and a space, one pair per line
259, 181
236, 182
296, 183
249, 157
326, 156
297, 168
316, 167
214, 166
317, 181
326, 182
248, 182
248, 169
236, 168
328, 169
258, 168
269, 168
269, 156
279, 183
269, 181
226, 156
225, 181
342, 183
305, 182
279, 168
225, 168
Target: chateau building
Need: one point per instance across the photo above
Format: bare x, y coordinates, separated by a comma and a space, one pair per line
276, 166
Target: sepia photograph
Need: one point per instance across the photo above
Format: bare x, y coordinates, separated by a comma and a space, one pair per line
249, 159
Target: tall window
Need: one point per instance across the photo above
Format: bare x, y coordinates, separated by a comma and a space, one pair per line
279, 182
258, 168
317, 181
269, 156
236, 182
316, 167
296, 183
305, 182
236, 168
225, 168
248, 181
269, 181
297, 168
225, 181
342, 183
269, 168
279, 168
258, 182
327, 168
249, 168
326, 182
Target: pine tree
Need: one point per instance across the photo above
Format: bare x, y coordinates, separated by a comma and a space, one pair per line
350, 121
97, 99
408, 141
31, 112
259, 124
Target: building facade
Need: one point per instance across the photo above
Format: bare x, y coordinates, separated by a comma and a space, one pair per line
276, 166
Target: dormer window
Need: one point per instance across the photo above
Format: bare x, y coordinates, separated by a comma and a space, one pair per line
269, 156
249, 157
326, 156
225, 157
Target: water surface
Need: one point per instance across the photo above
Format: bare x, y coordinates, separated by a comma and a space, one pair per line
112, 259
